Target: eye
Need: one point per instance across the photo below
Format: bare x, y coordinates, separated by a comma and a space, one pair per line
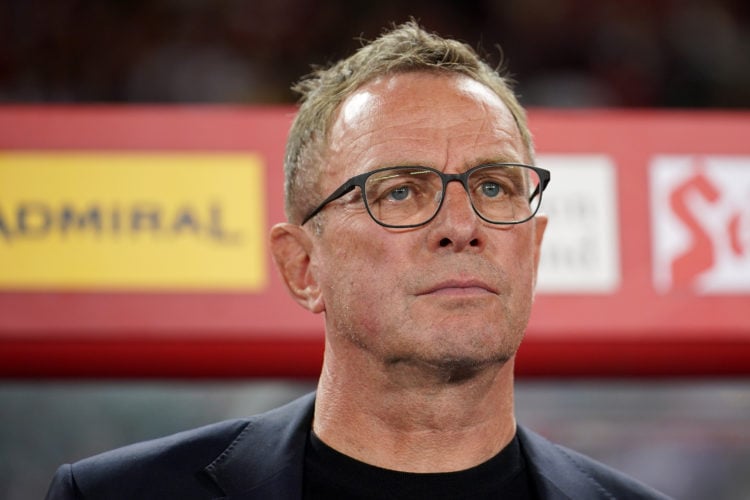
400, 193
491, 189
496, 183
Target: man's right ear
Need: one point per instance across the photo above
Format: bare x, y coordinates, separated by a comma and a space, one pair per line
291, 247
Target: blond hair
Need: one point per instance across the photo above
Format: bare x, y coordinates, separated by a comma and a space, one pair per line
405, 48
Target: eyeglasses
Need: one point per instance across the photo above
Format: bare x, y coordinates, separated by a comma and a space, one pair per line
403, 197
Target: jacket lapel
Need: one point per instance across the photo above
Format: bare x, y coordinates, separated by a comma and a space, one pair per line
560, 473
266, 459
553, 473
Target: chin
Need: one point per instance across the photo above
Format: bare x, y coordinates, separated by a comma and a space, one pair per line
458, 370
450, 369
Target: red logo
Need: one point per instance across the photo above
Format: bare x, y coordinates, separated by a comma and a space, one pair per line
701, 215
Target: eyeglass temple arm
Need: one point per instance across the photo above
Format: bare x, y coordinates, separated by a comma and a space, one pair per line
341, 191
544, 181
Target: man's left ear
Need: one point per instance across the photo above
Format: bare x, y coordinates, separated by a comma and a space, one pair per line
291, 247
540, 222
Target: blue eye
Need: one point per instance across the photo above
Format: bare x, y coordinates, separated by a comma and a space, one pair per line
400, 193
491, 189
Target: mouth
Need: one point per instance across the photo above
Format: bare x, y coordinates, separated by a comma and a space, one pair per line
460, 288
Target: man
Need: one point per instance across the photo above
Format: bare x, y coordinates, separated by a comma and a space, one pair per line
413, 228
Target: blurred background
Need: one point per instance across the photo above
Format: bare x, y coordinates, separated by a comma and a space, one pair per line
690, 438
633, 53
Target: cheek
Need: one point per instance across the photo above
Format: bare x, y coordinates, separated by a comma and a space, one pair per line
523, 279
515, 256
356, 281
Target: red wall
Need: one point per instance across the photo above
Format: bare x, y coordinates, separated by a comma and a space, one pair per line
634, 329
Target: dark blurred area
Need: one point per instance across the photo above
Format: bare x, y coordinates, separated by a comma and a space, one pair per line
563, 53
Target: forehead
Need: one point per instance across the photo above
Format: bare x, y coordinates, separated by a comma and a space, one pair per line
391, 93
432, 119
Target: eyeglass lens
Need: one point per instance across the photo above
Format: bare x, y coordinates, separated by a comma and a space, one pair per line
406, 196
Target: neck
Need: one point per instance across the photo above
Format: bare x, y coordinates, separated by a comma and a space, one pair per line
414, 417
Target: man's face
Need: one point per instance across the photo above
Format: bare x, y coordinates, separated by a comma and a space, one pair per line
456, 292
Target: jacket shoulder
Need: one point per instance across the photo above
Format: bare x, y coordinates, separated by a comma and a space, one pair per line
167, 467
207, 462
564, 473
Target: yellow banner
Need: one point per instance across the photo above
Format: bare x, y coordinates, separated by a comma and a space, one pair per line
132, 221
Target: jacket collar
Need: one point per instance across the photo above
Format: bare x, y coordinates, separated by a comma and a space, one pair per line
266, 460
559, 473
551, 470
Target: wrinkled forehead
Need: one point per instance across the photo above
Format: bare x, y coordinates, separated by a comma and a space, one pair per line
383, 90
420, 99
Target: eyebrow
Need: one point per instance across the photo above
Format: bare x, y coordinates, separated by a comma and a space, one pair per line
492, 159
482, 160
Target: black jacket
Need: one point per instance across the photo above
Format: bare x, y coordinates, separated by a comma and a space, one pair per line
263, 457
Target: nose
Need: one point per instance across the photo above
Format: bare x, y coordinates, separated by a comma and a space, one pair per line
456, 226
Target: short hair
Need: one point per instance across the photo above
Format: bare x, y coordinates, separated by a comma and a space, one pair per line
405, 48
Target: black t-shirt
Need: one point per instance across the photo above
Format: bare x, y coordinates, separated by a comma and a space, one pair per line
332, 475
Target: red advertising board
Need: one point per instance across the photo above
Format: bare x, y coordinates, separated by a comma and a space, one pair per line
122, 237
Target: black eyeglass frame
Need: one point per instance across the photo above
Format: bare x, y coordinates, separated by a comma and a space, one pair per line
463, 178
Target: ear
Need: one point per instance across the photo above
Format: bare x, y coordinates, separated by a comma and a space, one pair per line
540, 225
291, 247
